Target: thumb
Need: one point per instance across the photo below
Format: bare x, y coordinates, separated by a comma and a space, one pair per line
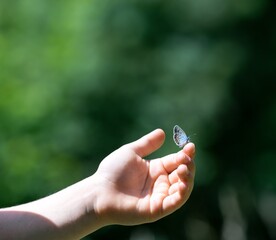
148, 143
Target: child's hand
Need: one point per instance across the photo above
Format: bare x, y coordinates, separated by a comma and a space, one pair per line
126, 189
133, 190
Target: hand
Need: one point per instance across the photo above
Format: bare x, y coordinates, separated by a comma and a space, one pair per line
133, 190
126, 189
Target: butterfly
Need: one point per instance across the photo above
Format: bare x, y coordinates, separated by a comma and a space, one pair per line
179, 136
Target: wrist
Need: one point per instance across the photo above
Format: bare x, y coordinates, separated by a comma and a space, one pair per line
80, 214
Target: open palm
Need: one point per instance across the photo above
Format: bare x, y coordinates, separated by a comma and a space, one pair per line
138, 190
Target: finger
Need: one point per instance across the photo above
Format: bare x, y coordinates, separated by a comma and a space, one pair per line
176, 187
148, 143
189, 149
184, 183
185, 173
173, 177
182, 173
178, 197
190, 165
172, 161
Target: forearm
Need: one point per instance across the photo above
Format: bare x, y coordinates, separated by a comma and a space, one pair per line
67, 214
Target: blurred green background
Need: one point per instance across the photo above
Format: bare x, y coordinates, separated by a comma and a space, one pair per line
80, 78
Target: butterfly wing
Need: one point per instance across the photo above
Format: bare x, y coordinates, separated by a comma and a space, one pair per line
179, 136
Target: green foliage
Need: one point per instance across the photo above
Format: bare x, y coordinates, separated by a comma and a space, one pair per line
80, 78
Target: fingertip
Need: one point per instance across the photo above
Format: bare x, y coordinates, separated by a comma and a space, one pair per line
149, 143
182, 171
160, 132
159, 135
189, 149
182, 187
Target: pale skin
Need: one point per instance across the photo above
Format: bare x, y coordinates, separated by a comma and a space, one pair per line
126, 189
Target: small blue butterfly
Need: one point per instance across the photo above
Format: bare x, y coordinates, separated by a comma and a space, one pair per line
179, 136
